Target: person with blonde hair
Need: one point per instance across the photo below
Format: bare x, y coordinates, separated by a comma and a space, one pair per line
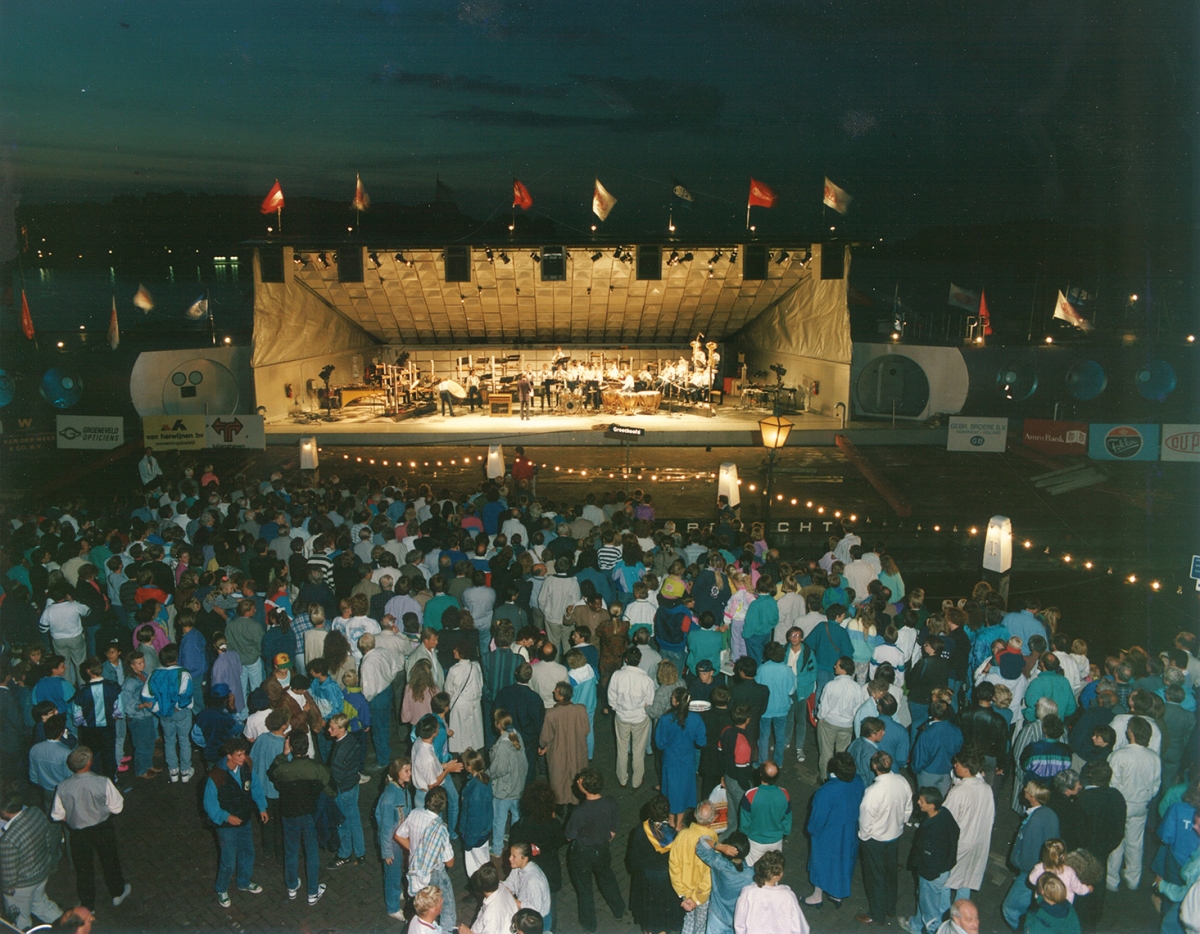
769, 905
1052, 912
1054, 860
508, 771
1040, 825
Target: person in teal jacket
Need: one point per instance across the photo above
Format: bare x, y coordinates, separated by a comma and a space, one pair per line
1051, 683
800, 658
828, 642
762, 617
705, 642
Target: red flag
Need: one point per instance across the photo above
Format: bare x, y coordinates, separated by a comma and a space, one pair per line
984, 314
274, 199
361, 201
760, 195
114, 331
521, 197
26, 317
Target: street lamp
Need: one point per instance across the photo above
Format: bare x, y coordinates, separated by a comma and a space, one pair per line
775, 431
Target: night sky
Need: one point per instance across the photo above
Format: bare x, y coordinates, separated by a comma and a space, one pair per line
930, 112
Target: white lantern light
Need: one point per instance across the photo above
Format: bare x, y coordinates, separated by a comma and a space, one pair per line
997, 547
727, 483
495, 461
308, 453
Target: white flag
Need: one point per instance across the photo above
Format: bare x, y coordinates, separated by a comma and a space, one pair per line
602, 201
963, 298
836, 198
1065, 311
143, 299
198, 309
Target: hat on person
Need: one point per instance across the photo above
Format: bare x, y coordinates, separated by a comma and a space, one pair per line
704, 665
220, 690
283, 660
1012, 666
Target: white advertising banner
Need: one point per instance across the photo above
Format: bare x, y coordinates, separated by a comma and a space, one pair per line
977, 434
1181, 443
90, 432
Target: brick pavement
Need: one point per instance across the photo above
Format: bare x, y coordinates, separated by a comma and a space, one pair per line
170, 858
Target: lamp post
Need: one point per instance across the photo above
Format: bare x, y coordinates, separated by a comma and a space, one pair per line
775, 431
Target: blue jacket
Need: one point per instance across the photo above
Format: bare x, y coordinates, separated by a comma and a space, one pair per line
895, 742
829, 642
244, 775
170, 689
475, 814
192, 656
85, 704
778, 679
727, 884
936, 744
262, 756
861, 751
806, 672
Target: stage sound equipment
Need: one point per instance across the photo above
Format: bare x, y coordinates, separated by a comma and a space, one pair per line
649, 262
270, 264
350, 264
1156, 380
61, 388
554, 264
1086, 380
754, 261
833, 261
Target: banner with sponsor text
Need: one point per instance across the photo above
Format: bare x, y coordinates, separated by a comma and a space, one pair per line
1124, 442
1181, 443
1050, 437
977, 434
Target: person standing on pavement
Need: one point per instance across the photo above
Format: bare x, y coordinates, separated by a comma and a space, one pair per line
591, 828
630, 692
425, 836
885, 806
263, 751
300, 781
170, 691
765, 814
837, 703
394, 805
933, 854
690, 875
97, 708
727, 862
85, 802
1040, 825
232, 797
973, 807
28, 850
376, 672
1137, 774
344, 756
62, 621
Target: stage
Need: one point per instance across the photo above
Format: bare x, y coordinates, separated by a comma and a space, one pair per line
729, 427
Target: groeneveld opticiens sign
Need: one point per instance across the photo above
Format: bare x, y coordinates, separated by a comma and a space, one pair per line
90, 432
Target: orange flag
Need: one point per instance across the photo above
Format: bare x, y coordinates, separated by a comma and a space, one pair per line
26, 318
760, 195
361, 201
521, 197
274, 199
114, 331
984, 315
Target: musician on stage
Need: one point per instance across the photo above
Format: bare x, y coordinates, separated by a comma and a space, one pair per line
447, 399
473, 394
525, 395
548, 383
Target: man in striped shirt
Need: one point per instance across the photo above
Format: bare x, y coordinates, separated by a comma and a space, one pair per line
609, 553
430, 855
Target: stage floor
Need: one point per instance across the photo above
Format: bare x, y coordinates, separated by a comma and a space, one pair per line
730, 426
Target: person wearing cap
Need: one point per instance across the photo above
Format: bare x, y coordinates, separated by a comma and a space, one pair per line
706, 678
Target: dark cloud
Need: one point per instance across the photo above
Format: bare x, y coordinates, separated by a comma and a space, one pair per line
466, 84
526, 119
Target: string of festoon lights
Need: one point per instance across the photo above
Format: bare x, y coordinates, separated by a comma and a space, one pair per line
1130, 576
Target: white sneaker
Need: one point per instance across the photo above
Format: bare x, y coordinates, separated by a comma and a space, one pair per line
174, 775
363, 778
186, 776
124, 895
398, 915
292, 893
799, 756
313, 899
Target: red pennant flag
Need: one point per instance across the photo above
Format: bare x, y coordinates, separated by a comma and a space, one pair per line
361, 201
984, 315
521, 197
274, 199
114, 332
760, 195
26, 318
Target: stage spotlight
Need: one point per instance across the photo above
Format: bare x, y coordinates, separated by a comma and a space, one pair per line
686, 258
487, 251
535, 256
374, 258
400, 259
300, 259
323, 260
673, 259
504, 259
733, 256
783, 257
596, 256
715, 258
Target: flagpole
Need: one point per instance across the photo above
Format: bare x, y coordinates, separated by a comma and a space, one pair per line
747, 215
279, 219
212, 324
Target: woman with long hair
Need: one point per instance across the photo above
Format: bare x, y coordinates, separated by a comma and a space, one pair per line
656, 907
418, 692
464, 684
507, 771
394, 805
475, 812
832, 830
712, 590
890, 577
336, 654
678, 735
